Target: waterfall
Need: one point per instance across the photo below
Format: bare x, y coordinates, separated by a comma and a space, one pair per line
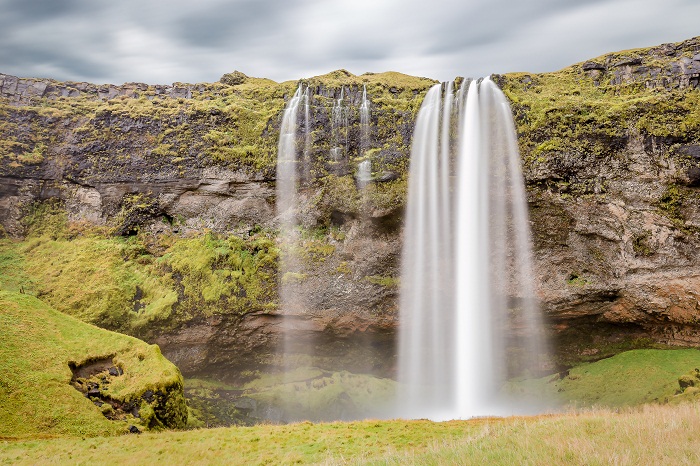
364, 168
364, 174
307, 136
287, 206
287, 164
364, 122
468, 314
339, 126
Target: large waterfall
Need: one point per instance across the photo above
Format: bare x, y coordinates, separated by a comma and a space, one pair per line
468, 313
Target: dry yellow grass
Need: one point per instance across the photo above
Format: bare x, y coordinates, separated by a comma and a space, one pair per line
649, 435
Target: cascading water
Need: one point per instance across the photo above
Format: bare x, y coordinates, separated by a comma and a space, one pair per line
287, 164
287, 207
364, 122
339, 127
468, 313
364, 168
307, 136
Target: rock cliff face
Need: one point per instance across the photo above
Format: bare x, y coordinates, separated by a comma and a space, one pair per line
611, 155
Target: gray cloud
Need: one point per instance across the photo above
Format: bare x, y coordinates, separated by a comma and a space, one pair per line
178, 40
28, 11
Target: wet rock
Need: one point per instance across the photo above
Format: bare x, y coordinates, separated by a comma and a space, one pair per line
692, 150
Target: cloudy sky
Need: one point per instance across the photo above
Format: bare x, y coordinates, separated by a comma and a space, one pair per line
154, 41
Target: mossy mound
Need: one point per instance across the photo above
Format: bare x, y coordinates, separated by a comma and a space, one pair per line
47, 361
631, 378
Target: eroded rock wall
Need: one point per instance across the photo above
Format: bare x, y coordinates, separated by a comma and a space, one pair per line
611, 157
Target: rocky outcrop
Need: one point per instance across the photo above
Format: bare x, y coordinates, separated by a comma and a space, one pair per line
666, 66
22, 91
611, 159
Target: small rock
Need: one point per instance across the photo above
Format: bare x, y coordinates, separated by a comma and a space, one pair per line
387, 176
232, 79
134, 430
148, 396
93, 392
591, 65
115, 371
628, 62
691, 150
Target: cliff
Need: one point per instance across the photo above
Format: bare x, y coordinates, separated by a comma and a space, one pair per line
150, 209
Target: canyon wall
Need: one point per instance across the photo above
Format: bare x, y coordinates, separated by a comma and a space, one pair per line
611, 156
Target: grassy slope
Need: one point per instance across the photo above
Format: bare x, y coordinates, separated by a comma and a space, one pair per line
36, 345
129, 284
650, 435
627, 379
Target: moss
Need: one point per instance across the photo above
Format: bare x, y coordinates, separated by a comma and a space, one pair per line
671, 203
387, 282
47, 218
641, 246
575, 279
131, 283
294, 277
626, 379
310, 393
569, 119
38, 348
35, 157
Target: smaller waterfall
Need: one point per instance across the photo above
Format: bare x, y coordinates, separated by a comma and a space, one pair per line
364, 168
287, 163
339, 126
364, 122
364, 174
287, 206
307, 136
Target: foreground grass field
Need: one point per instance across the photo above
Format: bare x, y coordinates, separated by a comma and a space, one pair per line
653, 434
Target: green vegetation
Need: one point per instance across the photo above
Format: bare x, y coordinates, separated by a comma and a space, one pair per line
626, 379
387, 282
229, 123
649, 435
135, 283
570, 119
314, 394
38, 346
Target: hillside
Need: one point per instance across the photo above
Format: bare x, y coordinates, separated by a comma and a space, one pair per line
61, 376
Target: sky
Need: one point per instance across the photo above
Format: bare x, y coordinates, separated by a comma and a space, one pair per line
164, 41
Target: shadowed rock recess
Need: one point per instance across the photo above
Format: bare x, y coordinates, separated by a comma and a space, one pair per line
611, 157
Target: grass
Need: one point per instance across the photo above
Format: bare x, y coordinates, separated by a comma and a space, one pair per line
37, 344
656, 434
136, 283
627, 379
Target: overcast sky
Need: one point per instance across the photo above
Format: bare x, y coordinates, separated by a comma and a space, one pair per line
116, 41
